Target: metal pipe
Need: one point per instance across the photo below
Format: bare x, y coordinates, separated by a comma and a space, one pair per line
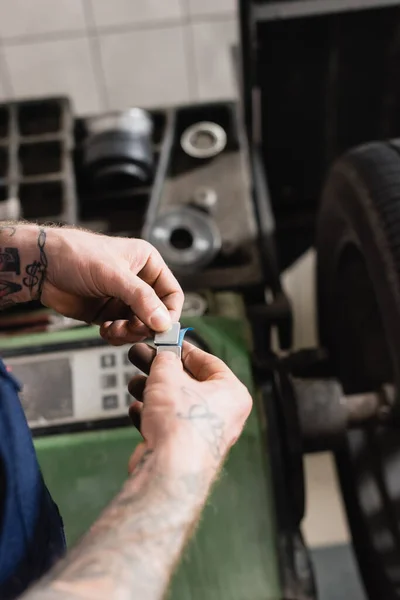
325, 413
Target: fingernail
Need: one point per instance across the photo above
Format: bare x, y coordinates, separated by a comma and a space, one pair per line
160, 319
105, 327
167, 355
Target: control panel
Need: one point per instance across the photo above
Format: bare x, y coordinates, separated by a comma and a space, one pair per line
78, 385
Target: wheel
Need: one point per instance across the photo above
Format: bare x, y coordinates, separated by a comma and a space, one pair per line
358, 283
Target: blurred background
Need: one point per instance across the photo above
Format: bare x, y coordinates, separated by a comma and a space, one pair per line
114, 54
110, 55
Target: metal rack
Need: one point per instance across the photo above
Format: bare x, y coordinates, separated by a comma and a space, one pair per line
36, 141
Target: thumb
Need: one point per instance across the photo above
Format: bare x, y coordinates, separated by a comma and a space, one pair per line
165, 368
137, 457
141, 298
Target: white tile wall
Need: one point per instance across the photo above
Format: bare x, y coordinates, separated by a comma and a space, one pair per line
213, 41
123, 12
299, 283
115, 53
54, 67
3, 86
20, 18
212, 7
3, 95
145, 67
325, 521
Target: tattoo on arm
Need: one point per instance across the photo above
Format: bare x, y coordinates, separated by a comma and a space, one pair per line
8, 287
10, 265
7, 303
10, 269
9, 261
11, 229
132, 549
37, 270
209, 425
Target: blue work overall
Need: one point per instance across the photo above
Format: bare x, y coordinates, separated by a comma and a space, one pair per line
31, 529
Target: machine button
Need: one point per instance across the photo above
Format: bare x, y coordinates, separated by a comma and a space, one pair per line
107, 360
108, 380
110, 402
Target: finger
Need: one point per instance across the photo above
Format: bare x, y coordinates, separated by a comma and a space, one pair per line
136, 386
136, 457
110, 310
156, 273
76, 307
148, 307
123, 332
200, 364
135, 414
135, 327
123, 284
166, 369
163, 367
121, 328
141, 355
203, 366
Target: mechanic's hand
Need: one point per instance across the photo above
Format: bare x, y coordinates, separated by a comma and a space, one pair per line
121, 284
195, 406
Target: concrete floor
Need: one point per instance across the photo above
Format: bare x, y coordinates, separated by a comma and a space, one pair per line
324, 527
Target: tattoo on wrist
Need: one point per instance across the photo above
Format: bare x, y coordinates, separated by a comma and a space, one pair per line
11, 229
9, 261
10, 269
209, 425
7, 303
142, 462
9, 266
37, 270
8, 287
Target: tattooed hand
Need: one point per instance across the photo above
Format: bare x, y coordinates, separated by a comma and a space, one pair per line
197, 404
121, 284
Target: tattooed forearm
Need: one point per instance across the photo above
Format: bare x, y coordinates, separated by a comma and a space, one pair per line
23, 263
132, 549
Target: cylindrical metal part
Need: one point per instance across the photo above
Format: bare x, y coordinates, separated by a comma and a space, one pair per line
325, 413
361, 407
322, 413
203, 140
186, 238
118, 150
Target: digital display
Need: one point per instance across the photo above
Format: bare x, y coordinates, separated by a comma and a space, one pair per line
46, 388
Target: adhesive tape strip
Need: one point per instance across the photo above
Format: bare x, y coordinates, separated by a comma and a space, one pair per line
183, 333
